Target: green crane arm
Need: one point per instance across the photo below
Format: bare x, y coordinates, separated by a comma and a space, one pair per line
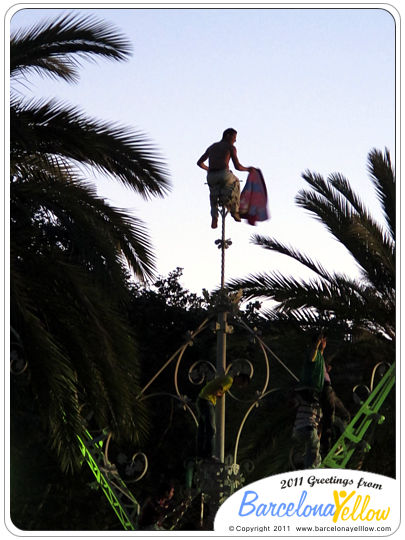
352, 438
121, 499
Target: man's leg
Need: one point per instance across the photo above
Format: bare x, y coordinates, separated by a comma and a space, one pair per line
201, 430
214, 184
231, 194
214, 193
298, 448
211, 430
328, 414
341, 410
312, 456
206, 428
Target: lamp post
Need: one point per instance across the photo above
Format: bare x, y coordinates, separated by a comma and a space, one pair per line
221, 369
222, 330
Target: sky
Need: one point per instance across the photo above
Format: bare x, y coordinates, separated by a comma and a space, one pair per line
306, 89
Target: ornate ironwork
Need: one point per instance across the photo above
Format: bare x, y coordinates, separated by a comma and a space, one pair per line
201, 369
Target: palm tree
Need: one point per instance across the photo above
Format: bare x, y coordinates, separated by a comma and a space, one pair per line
361, 310
364, 306
72, 254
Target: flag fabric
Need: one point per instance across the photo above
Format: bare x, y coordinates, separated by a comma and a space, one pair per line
253, 199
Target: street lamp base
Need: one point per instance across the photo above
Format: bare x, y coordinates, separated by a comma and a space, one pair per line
216, 481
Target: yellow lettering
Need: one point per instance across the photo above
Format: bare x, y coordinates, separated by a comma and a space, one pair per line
356, 505
340, 505
384, 515
343, 512
365, 504
370, 513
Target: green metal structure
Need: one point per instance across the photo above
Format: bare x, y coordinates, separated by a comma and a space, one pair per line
353, 438
120, 498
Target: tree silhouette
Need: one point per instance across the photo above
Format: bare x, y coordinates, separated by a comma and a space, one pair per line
72, 254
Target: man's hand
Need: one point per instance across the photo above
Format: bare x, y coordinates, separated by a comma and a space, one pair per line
320, 345
203, 166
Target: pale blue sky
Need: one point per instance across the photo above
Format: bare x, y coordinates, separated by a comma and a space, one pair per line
305, 89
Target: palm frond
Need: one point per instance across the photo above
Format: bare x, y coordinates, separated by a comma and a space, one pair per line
383, 176
273, 245
274, 286
380, 252
52, 129
379, 244
337, 213
55, 48
341, 184
108, 230
53, 381
341, 298
93, 340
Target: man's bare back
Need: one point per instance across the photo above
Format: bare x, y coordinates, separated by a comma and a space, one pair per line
219, 154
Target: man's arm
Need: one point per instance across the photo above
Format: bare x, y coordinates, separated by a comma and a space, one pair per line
320, 346
203, 158
235, 161
315, 351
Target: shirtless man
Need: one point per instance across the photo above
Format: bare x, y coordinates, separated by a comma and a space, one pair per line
223, 184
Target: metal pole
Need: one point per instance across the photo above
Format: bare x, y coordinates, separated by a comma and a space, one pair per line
223, 216
221, 356
221, 368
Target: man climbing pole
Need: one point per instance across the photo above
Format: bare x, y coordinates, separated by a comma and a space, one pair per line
335, 415
223, 184
306, 431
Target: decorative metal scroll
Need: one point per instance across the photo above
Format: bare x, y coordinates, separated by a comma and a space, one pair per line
180, 351
182, 399
199, 372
